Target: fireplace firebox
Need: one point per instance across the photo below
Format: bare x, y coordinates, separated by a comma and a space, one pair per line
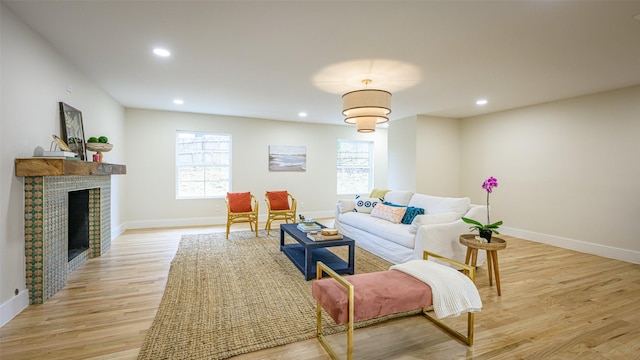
78, 231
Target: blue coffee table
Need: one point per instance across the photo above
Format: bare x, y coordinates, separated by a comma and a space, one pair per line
306, 253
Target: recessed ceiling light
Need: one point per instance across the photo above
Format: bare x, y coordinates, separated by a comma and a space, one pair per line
481, 102
161, 52
302, 114
178, 101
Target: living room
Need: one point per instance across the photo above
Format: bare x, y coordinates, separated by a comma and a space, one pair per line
566, 165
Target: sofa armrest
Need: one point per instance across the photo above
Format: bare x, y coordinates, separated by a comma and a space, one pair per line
344, 205
478, 213
444, 239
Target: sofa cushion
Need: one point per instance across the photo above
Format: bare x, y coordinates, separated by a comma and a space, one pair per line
432, 219
375, 294
398, 197
389, 213
397, 233
438, 204
365, 205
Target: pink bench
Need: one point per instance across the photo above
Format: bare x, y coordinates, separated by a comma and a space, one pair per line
366, 296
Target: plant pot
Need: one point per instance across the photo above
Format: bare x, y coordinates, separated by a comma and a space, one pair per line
486, 234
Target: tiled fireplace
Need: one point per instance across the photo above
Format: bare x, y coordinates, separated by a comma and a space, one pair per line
46, 229
46, 222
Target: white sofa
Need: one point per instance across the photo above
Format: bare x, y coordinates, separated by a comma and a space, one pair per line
438, 230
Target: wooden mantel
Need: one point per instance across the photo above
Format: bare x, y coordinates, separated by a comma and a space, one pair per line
62, 167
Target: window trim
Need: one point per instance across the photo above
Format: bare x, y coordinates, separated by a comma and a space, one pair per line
177, 165
371, 164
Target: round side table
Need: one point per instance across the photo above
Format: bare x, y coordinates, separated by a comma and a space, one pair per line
492, 248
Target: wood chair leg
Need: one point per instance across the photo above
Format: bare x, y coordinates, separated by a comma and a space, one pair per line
268, 226
256, 227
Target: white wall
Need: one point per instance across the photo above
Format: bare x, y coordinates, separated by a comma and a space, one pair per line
402, 154
34, 80
567, 170
424, 155
151, 165
438, 156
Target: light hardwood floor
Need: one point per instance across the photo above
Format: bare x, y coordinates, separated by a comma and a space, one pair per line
555, 304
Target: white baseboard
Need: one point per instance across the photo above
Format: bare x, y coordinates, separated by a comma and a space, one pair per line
147, 224
205, 221
577, 245
14, 306
319, 214
115, 232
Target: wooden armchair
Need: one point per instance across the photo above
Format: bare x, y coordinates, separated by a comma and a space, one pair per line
280, 206
242, 207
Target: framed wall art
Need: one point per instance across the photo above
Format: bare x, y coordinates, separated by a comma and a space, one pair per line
73, 130
287, 158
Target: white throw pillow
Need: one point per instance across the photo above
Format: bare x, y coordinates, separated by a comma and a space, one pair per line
398, 197
365, 205
432, 219
346, 205
389, 213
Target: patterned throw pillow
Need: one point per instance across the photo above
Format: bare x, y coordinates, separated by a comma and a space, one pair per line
389, 213
410, 214
365, 205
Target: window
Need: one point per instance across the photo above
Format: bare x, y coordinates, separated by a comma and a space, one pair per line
203, 165
355, 166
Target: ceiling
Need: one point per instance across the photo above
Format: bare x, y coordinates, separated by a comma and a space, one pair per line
274, 59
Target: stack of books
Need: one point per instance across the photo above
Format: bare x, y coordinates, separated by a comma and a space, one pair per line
309, 227
68, 155
320, 237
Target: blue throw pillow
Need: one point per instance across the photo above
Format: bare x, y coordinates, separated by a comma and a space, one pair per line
410, 214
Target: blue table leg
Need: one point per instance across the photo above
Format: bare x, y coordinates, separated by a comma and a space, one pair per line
352, 257
281, 238
308, 254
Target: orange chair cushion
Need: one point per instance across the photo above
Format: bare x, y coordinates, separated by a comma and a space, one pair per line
278, 200
239, 202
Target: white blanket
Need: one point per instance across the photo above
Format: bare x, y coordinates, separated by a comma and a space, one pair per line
453, 293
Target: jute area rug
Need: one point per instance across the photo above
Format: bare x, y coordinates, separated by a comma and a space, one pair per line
229, 297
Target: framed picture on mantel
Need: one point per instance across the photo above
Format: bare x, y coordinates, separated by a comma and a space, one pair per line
73, 130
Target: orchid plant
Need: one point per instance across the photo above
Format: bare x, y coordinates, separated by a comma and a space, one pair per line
488, 186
